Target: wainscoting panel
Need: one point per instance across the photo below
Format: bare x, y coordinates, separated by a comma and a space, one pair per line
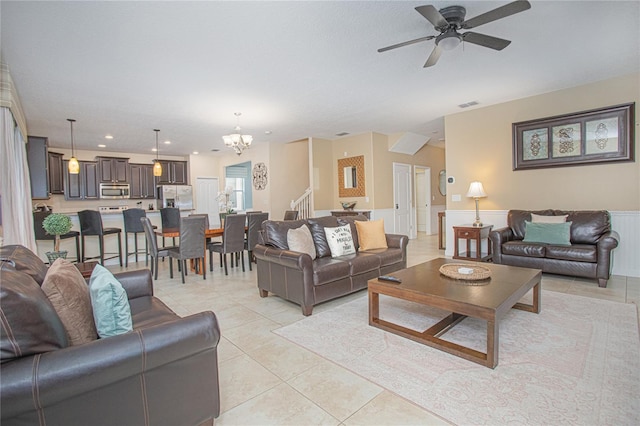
626, 258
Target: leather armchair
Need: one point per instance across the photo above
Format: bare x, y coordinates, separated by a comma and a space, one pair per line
164, 372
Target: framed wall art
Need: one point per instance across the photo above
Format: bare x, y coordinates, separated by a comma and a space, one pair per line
596, 136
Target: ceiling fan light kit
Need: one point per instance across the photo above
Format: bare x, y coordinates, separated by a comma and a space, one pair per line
451, 19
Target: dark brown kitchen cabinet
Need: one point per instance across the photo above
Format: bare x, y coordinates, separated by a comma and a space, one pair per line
83, 186
142, 181
56, 174
173, 172
37, 152
113, 170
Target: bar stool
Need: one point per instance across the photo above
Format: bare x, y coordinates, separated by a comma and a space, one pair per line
133, 225
91, 225
41, 234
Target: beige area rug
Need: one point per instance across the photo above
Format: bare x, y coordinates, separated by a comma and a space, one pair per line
575, 363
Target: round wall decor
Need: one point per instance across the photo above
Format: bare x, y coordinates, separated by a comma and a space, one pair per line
260, 176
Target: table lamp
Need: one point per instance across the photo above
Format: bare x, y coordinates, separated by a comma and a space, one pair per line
476, 191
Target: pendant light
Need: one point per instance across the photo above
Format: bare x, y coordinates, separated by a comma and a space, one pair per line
74, 166
157, 167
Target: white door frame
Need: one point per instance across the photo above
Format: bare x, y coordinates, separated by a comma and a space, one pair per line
402, 224
427, 194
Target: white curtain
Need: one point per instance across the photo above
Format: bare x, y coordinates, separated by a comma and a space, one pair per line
15, 188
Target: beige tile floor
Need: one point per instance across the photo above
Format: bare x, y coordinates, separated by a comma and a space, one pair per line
267, 380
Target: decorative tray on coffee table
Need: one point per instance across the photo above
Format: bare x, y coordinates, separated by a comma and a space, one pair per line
465, 271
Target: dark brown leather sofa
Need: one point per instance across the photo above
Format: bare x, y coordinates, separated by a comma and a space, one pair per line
589, 254
296, 277
164, 372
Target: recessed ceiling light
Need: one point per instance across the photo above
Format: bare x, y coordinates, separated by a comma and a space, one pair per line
102, 145
108, 137
153, 149
167, 142
267, 132
195, 152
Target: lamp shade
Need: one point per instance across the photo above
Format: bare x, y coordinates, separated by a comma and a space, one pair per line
157, 168
476, 190
74, 166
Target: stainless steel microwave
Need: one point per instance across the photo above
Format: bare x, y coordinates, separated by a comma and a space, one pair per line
114, 191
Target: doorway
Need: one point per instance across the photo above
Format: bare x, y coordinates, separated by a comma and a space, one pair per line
402, 199
422, 179
206, 196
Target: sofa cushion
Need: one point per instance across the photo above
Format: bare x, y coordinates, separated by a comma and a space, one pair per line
548, 233
274, 232
68, 292
516, 219
300, 240
351, 221
359, 263
371, 235
316, 226
576, 252
536, 218
519, 248
111, 310
588, 226
387, 256
29, 324
340, 240
24, 260
328, 269
149, 311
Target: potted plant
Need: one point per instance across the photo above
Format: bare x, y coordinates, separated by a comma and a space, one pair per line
225, 203
56, 224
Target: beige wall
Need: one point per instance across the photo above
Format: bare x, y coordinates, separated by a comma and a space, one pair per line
289, 174
479, 147
324, 187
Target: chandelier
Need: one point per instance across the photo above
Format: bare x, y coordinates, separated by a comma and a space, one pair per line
235, 140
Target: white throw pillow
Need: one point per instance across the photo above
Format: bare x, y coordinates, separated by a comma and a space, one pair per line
300, 240
536, 218
340, 240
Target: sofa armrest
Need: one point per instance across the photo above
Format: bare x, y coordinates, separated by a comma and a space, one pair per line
397, 241
286, 258
497, 238
136, 283
608, 241
60, 377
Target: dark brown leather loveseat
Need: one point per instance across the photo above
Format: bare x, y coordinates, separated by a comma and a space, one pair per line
589, 254
164, 372
296, 277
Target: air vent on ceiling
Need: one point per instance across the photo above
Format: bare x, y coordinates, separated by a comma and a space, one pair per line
342, 134
215, 150
468, 104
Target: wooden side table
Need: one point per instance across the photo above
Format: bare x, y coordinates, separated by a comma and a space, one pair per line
468, 232
340, 213
86, 268
441, 230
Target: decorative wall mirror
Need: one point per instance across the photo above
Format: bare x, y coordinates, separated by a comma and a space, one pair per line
351, 177
442, 182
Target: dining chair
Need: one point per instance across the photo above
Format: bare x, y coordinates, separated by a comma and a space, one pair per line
170, 217
290, 214
232, 240
254, 224
192, 246
152, 243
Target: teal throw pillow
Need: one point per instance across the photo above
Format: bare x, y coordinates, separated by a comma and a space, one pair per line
548, 233
111, 310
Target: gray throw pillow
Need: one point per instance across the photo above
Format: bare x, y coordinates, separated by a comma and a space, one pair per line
300, 240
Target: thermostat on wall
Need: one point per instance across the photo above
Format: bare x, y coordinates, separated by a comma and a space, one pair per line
451, 179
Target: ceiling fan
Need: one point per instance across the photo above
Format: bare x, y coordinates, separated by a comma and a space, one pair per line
451, 19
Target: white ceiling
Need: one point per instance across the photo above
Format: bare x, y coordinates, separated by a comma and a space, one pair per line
297, 69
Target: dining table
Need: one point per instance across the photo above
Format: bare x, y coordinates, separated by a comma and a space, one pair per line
208, 233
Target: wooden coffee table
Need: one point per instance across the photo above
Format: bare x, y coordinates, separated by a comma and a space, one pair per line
424, 284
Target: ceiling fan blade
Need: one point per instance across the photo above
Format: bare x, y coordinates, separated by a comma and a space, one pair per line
433, 58
406, 43
485, 40
433, 16
499, 13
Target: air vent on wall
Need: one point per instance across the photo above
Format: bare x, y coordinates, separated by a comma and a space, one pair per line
468, 104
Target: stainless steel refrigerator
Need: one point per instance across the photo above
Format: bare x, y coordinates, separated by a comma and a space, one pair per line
180, 196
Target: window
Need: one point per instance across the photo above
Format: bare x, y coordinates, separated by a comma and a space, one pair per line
238, 178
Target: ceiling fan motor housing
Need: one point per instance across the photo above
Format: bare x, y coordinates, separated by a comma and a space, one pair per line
454, 16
